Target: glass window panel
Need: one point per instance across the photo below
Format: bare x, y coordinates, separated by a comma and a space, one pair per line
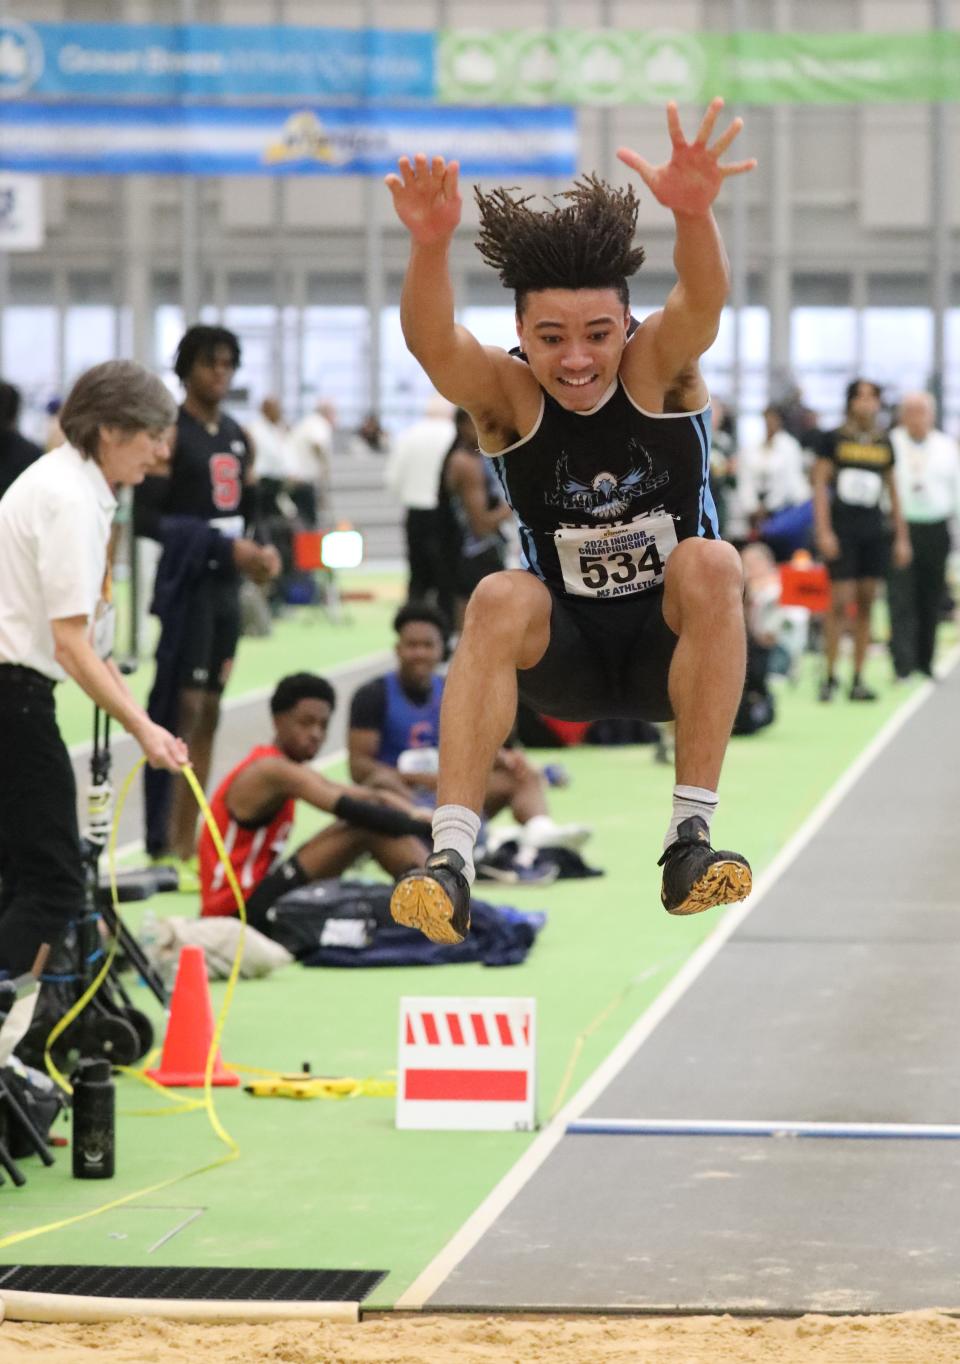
255, 326
336, 347
89, 337
898, 347
30, 360
823, 349
951, 378
405, 387
167, 331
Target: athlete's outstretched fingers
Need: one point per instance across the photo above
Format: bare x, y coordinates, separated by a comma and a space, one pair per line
636, 162
709, 119
673, 125
738, 167
724, 140
451, 180
437, 169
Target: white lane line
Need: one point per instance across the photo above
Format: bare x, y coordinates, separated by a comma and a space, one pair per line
463, 1241
252, 698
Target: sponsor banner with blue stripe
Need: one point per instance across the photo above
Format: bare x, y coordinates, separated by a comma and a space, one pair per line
213, 61
118, 139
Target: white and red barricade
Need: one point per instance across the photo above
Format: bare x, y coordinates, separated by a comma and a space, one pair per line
467, 1063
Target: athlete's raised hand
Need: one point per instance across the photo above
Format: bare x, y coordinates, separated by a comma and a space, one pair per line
426, 197
691, 179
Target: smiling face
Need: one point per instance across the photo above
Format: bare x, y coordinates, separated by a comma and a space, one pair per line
419, 653
573, 340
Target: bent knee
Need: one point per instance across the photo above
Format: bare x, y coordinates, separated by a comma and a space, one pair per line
704, 567
509, 600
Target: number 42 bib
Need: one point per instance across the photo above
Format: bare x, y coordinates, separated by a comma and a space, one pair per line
616, 561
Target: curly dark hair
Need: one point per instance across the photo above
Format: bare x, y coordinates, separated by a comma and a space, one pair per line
586, 243
301, 687
200, 342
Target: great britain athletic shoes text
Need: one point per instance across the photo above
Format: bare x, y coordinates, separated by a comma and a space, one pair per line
696, 877
434, 898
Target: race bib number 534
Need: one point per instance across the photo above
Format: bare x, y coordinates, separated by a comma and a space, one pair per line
617, 561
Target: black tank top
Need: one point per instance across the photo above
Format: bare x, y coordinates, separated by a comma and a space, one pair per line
606, 471
456, 535
207, 469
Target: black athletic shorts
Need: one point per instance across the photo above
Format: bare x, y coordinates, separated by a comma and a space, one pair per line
864, 552
605, 660
210, 635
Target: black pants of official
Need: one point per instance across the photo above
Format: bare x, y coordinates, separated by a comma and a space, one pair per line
916, 598
422, 554
41, 872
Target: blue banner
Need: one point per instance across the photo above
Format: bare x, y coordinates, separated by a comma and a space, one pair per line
121, 139
213, 61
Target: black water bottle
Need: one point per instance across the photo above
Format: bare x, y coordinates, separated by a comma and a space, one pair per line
93, 1120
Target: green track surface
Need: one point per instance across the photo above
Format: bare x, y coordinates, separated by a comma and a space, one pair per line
305, 638
331, 1183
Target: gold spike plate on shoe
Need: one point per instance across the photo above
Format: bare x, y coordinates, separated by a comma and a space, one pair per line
420, 902
723, 883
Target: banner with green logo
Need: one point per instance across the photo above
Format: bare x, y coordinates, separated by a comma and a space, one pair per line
609, 66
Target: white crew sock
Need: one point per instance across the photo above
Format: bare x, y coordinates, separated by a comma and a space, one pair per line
687, 801
456, 828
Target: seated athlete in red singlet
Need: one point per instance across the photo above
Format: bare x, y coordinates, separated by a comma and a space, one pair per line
253, 809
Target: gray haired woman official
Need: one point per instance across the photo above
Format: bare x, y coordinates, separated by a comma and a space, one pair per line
55, 621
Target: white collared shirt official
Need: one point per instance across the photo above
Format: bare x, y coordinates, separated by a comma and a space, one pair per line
927, 474
55, 525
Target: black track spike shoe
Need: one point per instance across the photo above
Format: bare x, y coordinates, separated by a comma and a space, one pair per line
696, 877
434, 898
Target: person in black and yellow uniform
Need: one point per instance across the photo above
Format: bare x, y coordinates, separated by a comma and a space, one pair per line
855, 465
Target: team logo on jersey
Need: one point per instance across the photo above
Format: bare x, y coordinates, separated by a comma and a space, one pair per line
607, 496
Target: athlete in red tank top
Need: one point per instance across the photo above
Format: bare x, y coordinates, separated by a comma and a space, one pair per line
251, 848
253, 809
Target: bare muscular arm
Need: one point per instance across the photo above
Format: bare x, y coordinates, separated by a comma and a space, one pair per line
481, 379
664, 351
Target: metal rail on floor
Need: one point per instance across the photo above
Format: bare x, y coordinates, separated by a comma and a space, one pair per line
705, 1127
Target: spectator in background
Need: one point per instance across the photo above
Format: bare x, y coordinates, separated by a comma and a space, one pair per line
471, 512
395, 732
927, 476
16, 452
854, 470
253, 809
412, 475
198, 513
723, 463
271, 439
762, 612
770, 477
276, 514
310, 450
370, 437
800, 421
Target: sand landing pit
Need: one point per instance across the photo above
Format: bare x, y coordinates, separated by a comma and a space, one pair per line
910, 1338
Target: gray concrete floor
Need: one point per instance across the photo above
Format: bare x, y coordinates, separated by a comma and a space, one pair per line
836, 999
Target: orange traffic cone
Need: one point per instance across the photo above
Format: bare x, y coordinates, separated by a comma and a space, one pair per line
190, 1029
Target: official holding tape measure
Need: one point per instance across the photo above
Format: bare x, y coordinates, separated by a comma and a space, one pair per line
55, 620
